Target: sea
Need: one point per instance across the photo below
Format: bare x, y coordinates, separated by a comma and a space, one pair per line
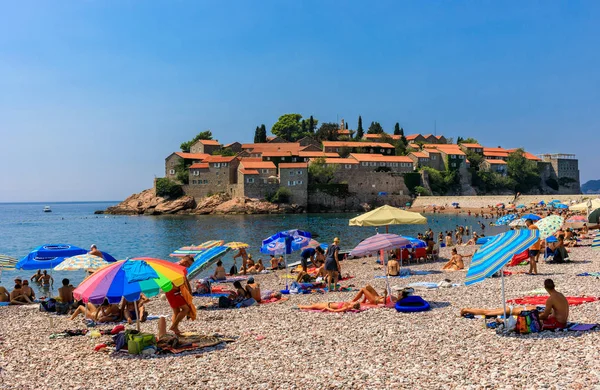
24, 226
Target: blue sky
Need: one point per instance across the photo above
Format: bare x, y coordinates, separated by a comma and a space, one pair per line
95, 94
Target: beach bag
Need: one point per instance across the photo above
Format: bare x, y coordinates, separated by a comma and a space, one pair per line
233, 270
528, 321
62, 308
49, 305
225, 302
138, 342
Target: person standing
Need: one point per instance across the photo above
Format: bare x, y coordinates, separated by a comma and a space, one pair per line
332, 264
534, 250
310, 253
244, 255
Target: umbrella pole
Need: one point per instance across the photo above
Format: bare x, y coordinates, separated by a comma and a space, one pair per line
137, 315
504, 300
285, 270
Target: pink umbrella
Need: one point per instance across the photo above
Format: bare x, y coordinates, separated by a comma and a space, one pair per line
577, 218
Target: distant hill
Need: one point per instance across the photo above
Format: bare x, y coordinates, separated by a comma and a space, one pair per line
591, 187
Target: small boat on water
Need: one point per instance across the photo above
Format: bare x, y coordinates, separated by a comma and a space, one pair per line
47, 209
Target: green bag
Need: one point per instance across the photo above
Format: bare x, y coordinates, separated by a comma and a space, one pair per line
137, 342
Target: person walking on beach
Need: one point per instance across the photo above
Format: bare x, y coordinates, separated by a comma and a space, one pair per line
180, 300
534, 250
332, 264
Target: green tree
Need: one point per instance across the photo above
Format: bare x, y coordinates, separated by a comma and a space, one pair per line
288, 127
303, 127
182, 172
359, 130
346, 125
402, 131
397, 129
185, 146
524, 172
312, 125
257, 135
167, 188
224, 152
321, 173
263, 134
469, 140
459, 140
375, 128
327, 132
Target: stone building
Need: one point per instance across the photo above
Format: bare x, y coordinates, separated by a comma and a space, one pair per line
256, 179
215, 174
235, 147
451, 155
294, 176
497, 165
375, 162
566, 169
207, 146
419, 159
346, 147
475, 148
175, 159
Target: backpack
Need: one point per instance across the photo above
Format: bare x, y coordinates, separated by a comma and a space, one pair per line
49, 305
528, 321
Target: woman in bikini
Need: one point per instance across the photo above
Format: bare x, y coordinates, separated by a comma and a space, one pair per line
334, 307
368, 294
108, 312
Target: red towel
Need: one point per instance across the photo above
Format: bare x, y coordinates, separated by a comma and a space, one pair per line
519, 258
541, 300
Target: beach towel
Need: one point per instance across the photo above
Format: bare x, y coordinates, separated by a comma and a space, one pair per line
231, 279
596, 274
540, 300
397, 276
581, 327
519, 259
213, 295
187, 295
190, 342
363, 307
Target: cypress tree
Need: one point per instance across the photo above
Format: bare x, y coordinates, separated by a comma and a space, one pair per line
397, 129
257, 135
311, 125
359, 130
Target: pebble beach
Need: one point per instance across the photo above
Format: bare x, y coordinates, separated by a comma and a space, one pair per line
279, 346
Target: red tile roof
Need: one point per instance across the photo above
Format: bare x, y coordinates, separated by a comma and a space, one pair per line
231, 144
251, 159
471, 146
354, 144
502, 150
527, 155
192, 156
219, 159
495, 162
450, 149
378, 136
420, 154
410, 137
209, 142
318, 154
257, 164
293, 165
249, 171
495, 154
340, 161
413, 145
374, 157
276, 154
199, 166
344, 132
292, 147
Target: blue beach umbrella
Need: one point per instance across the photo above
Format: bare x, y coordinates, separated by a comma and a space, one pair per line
50, 255
284, 243
505, 220
560, 206
491, 257
415, 242
521, 206
533, 217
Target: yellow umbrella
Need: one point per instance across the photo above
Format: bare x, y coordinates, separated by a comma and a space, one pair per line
583, 206
388, 215
237, 245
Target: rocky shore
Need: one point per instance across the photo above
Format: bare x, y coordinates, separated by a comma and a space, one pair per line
280, 347
147, 203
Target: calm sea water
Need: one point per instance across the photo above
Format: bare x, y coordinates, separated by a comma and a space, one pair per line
24, 226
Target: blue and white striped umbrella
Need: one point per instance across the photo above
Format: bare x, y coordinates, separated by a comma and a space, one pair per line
596, 242
506, 219
491, 257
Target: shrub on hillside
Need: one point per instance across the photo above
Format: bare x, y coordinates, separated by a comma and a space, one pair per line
282, 195
167, 188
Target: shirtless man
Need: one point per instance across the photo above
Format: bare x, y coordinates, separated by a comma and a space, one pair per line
455, 263
129, 312
393, 267
27, 291
556, 314
17, 297
4, 295
253, 289
65, 292
46, 280
95, 252
244, 255
36, 276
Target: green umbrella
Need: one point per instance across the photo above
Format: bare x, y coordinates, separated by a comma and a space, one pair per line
594, 216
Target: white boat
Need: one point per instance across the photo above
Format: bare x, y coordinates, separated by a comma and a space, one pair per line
47, 209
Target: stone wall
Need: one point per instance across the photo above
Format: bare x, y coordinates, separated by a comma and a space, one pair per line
295, 180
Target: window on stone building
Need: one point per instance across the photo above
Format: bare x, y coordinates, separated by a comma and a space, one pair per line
217, 165
294, 159
205, 181
348, 166
299, 172
224, 164
250, 180
193, 181
291, 173
299, 182
269, 159
364, 164
433, 157
265, 171
171, 171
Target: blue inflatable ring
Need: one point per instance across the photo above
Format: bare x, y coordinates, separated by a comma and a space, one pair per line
412, 304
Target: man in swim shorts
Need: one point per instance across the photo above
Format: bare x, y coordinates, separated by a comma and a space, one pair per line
534, 250
46, 280
557, 308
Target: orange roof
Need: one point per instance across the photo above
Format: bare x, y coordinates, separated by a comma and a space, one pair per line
420, 154
527, 155
219, 159
293, 165
192, 156
470, 146
450, 149
344, 132
340, 161
374, 157
199, 166
495, 154
377, 136
439, 136
257, 164
496, 162
231, 144
276, 154
249, 171
354, 144
292, 147
251, 159
413, 145
495, 150
410, 137
209, 142
318, 154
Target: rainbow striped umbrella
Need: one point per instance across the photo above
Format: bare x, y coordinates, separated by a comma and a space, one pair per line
596, 242
379, 242
237, 245
491, 257
80, 262
130, 278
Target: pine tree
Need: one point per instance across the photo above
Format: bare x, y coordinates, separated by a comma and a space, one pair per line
346, 125
311, 125
257, 135
402, 131
359, 130
397, 129
263, 133
303, 126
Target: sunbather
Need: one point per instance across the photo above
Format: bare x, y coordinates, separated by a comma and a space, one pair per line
257, 268
129, 312
455, 263
368, 294
108, 312
556, 314
4, 295
515, 311
88, 310
17, 297
334, 307
219, 272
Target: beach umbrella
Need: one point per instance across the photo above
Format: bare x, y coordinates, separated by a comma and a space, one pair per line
237, 245
7, 262
533, 217
388, 215
284, 243
521, 206
379, 242
549, 225
594, 216
505, 220
596, 242
129, 279
414, 242
555, 201
50, 255
194, 250
314, 243
491, 257
518, 223
81, 262
560, 206
590, 204
455, 204
577, 218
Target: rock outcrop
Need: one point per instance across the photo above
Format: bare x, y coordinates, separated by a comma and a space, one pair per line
147, 203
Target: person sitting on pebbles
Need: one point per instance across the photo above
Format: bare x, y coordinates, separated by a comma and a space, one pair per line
455, 263
129, 312
17, 297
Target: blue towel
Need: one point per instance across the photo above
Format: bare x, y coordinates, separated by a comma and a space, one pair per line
399, 276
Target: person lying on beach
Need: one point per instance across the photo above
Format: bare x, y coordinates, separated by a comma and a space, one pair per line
108, 312
4, 295
17, 297
128, 309
515, 311
36, 276
455, 263
88, 310
556, 314
219, 272
46, 280
368, 294
334, 307
95, 252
